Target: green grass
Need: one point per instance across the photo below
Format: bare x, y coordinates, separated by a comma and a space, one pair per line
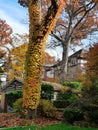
65, 127
49, 127
21, 128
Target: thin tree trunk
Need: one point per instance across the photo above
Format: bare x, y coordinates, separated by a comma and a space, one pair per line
64, 62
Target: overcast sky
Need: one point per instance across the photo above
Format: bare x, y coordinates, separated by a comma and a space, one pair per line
14, 14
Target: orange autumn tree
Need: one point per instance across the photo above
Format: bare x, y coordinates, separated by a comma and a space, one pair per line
5, 39
92, 63
5, 33
90, 79
39, 30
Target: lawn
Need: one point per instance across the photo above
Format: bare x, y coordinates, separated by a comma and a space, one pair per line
21, 128
65, 127
49, 127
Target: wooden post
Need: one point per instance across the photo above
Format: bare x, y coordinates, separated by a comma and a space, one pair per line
3, 102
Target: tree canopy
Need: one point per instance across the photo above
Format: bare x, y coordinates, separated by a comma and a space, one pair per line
92, 62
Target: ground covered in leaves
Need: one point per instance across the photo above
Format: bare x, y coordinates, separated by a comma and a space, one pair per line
13, 119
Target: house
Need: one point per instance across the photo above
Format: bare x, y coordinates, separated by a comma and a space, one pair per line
13, 85
76, 63
17, 84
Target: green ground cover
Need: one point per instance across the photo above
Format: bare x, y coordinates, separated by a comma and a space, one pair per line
49, 127
65, 127
21, 128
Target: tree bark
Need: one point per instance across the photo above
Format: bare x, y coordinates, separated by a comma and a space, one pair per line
64, 62
34, 62
34, 57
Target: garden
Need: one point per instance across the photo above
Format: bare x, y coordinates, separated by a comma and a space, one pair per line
27, 101
68, 108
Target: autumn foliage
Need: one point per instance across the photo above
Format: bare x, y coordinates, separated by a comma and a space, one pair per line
90, 78
92, 62
5, 36
18, 61
5, 33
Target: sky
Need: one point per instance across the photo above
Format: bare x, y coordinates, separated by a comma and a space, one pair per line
14, 15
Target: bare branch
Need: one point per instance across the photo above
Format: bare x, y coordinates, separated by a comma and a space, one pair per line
82, 18
57, 37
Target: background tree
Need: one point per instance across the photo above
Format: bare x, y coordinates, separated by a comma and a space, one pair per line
77, 21
5, 39
17, 55
5, 33
17, 62
92, 62
90, 85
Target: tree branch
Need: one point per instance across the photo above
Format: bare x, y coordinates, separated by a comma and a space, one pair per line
82, 18
55, 36
81, 9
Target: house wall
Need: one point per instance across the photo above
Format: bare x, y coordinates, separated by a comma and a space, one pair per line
76, 64
75, 67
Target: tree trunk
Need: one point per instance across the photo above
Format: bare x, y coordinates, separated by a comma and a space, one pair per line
34, 57
34, 62
64, 62
31, 113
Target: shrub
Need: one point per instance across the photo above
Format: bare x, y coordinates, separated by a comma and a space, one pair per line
73, 99
47, 91
61, 103
18, 105
64, 95
73, 84
90, 112
93, 116
13, 96
72, 115
46, 108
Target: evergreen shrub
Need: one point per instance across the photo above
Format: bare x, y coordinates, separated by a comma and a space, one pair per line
71, 115
47, 91
64, 95
13, 96
73, 84
68, 97
61, 103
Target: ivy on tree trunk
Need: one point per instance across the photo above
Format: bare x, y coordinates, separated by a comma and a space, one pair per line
38, 34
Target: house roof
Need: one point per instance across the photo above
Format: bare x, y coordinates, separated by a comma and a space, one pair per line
79, 54
17, 84
14, 84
